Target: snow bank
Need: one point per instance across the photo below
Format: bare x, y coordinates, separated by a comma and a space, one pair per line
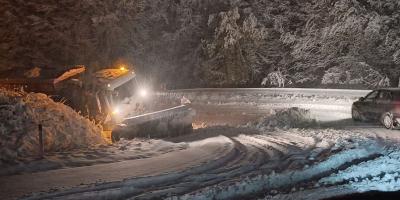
287, 118
63, 128
339, 139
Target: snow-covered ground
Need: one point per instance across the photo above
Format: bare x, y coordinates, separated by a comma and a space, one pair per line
245, 149
378, 174
251, 163
109, 153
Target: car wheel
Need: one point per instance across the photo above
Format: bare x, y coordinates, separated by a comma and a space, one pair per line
387, 120
355, 114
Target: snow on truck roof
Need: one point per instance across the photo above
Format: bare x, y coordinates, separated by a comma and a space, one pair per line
106, 75
113, 78
37, 79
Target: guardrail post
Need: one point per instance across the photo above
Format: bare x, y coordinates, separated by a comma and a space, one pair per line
41, 145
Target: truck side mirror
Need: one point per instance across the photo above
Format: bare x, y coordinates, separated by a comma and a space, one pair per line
361, 99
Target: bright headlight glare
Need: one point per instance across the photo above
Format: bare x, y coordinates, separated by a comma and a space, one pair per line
115, 111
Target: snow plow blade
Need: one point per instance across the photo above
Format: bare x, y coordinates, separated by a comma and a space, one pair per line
161, 124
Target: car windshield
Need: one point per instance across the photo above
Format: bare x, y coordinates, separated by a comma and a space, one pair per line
372, 95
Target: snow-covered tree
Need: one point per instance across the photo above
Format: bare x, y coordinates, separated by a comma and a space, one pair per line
206, 42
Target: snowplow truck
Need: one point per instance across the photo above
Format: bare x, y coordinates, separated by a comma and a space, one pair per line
101, 96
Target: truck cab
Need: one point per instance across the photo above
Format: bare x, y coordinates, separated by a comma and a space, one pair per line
94, 95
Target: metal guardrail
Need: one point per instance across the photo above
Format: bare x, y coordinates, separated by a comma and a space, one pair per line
164, 123
139, 119
273, 91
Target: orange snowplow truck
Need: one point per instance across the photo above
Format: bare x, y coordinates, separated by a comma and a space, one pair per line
94, 94
111, 97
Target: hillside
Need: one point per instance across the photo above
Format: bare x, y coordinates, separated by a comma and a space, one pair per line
192, 43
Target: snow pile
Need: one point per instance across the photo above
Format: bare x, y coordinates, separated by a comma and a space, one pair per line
287, 118
63, 128
340, 139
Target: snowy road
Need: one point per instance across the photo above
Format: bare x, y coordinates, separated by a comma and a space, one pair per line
225, 161
198, 153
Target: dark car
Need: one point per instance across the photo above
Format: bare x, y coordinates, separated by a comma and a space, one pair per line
381, 105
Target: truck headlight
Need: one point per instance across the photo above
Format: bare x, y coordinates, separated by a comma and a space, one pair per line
115, 111
143, 92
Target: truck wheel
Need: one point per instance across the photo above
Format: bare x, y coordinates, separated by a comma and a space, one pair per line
387, 120
355, 114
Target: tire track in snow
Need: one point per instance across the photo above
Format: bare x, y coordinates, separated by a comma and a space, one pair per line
249, 156
202, 156
254, 160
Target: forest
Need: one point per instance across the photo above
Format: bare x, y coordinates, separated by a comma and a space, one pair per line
211, 43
